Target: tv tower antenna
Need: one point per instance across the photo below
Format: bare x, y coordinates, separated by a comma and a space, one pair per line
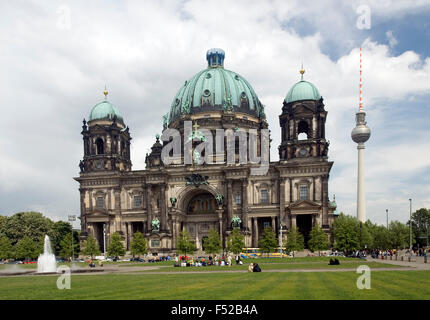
360, 134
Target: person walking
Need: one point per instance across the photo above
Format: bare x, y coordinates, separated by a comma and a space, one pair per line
229, 260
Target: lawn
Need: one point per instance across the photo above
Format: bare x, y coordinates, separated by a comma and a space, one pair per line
266, 266
265, 285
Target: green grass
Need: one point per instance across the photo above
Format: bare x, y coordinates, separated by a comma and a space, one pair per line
265, 285
276, 266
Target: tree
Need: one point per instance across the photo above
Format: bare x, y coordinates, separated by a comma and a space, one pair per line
184, 243
90, 247
212, 244
295, 241
421, 226
268, 242
3, 220
318, 240
138, 246
235, 241
66, 247
346, 232
398, 235
381, 238
115, 247
6, 249
27, 249
365, 236
27, 224
61, 229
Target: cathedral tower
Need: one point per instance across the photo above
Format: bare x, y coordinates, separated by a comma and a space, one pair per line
106, 140
303, 123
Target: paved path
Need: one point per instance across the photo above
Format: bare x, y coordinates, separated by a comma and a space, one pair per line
417, 265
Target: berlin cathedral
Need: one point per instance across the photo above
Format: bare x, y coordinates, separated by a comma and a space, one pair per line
166, 198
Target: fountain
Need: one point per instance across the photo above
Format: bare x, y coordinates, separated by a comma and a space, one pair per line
46, 261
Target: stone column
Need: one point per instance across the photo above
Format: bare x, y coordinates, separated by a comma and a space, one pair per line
230, 203
282, 201
314, 126
174, 236
197, 236
313, 188
117, 193
90, 199
220, 224
245, 203
290, 190
293, 221
163, 215
255, 233
83, 213
129, 235
149, 207
325, 200
274, 224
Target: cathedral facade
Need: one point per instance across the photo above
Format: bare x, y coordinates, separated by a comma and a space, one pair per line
195, 195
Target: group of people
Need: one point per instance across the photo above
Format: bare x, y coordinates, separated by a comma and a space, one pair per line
93, 265
157, 258
254, 267
422, 252
211, 261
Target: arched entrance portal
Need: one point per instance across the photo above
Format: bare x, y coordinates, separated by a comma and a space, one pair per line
202, 203
201, 215
304, 225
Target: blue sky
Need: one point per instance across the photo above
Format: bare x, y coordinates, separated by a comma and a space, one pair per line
56, 58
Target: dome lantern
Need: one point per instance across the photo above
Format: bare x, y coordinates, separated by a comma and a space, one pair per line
215, 57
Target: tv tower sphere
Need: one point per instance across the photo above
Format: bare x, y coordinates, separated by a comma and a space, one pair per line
361, 132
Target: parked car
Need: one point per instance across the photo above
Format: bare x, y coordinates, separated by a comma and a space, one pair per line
137, 259
336, 254
357, 254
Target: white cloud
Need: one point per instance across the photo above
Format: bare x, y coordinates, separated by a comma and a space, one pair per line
392, 41
51, 77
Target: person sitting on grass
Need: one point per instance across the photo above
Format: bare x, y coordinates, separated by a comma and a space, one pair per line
251, 267
257, 268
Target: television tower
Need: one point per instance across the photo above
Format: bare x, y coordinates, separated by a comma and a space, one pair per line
360, 134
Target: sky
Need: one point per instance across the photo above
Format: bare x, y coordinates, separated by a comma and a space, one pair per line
57, 56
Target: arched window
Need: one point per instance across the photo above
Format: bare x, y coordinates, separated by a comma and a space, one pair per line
303, 192
100, 146
303, 130
264, 196
123, 151
100, 202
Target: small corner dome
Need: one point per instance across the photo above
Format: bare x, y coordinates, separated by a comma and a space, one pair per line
302, 90
104, 110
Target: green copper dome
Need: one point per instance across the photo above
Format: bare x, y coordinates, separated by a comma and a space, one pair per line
302, 90
104, 110
215, 88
